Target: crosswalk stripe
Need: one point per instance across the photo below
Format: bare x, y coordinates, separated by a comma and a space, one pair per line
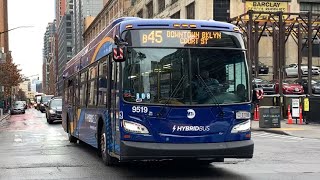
280, 136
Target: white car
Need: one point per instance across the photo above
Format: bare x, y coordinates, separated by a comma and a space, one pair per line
292, 70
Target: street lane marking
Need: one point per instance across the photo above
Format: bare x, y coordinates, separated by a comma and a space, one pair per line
17, 138
281, 137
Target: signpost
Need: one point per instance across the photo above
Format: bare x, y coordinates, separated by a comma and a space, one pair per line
295, 108
266, 6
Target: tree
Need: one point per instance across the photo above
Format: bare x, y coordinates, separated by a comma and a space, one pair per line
9, 76
21, 95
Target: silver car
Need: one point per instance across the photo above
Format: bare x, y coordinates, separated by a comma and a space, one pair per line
17, 108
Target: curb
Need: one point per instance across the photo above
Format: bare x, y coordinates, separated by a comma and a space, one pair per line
4, 117
273, 131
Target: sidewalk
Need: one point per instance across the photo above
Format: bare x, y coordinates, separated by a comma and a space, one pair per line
4, 116
304, 130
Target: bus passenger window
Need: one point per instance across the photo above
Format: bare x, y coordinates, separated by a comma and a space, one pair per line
102, 95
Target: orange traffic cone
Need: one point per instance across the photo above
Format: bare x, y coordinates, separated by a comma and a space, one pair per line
300, 115
256, 113
290, 120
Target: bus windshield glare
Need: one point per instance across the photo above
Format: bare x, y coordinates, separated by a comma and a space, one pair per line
197, 74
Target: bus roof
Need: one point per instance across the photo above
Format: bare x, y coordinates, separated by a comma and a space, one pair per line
170, 23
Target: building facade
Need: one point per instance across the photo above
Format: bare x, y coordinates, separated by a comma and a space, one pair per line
83, 10
48, 59
65, 45
112, 9
60, 9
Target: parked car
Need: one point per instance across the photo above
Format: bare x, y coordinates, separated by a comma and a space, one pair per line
263, 69
289, 87
17, 108
54, 110
24, 104
316, 87
292, 70
304, 83
44, 101
267, 86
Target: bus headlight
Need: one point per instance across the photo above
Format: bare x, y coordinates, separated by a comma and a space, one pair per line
242, 127
134, 127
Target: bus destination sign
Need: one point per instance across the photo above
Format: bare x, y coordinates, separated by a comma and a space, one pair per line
183, 37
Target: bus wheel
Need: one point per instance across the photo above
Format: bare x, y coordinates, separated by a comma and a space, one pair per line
103, 149
72, 139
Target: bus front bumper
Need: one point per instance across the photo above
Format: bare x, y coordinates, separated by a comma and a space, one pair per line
155, 151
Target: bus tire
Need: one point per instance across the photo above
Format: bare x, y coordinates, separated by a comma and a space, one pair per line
103, 151
71, 138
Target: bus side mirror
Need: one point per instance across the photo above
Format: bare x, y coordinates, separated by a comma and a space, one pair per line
119, 54
120, 51
257, 94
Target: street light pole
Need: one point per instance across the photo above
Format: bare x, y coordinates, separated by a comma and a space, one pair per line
2, 53
3, 57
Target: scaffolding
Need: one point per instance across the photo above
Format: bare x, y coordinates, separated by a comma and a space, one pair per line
302, 27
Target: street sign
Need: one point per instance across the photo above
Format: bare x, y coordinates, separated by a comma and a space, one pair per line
295, 107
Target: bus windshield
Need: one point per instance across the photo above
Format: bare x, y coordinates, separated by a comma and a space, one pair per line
185, 76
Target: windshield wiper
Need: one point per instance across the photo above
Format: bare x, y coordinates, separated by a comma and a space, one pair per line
174, 92
211, 94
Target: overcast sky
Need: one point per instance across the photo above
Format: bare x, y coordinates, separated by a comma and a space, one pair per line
26, 44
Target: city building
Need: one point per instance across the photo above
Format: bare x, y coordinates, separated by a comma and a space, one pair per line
39, 87
48, 57
65, 45
112, 9
60, 9
84, 13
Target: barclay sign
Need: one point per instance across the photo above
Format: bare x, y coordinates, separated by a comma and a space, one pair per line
267, 6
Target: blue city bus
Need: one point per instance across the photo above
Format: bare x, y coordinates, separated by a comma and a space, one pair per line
161, 89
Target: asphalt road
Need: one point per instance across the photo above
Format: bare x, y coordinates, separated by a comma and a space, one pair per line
32, 149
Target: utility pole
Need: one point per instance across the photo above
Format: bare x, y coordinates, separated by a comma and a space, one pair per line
2, 53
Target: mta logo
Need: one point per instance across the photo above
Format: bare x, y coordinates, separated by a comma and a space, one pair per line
191, 113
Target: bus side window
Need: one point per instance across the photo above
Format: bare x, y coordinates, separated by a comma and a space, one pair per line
66, 91
92, 85
83, 88
103, 81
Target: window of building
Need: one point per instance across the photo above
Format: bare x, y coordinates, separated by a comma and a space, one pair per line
68, 30
173, 1
69, 49
221, 10
140, 13
314, 8
191, 11
309, 6
150, 9
161, 5
175, 15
